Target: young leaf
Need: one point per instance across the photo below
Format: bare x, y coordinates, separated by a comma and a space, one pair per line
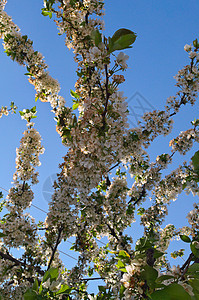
122, 39
52, 273
195, 285
74, 95
75, 105
30, 295
194, 249
194, 269
120, 264
195, 161
173, 291
97, 37
164, 277
123, 254
35, 285
185, 238
149, 274
65, 289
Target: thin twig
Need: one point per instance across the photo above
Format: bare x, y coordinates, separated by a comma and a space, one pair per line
114, 167
55, 248
101, 88
142, 194
113, 233
89, 279
107, 97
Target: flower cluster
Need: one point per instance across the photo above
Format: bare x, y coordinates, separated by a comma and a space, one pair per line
20, 49
156, 123
184, 141
4, 110
132, 281
193, 219
187, 82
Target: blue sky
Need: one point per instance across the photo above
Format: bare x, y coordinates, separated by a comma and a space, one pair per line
162, 27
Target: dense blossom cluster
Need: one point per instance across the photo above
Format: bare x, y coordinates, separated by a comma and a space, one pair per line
20, 49
90, 202
187, 82
184, 141
193, 219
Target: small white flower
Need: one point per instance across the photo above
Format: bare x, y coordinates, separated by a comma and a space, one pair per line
187, 48
121, 59
196, 244
46, 284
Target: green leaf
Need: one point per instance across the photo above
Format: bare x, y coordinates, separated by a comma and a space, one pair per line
122, 289
74, 95
195, 122
195, 161
194, 269
33, 109
123, 270
120, 264
157, 253
185, 238
123, 254
30, 295
102, 288
149, 274
196, 44
97, 37
73, 3
25, 37
35, 285
65, 289
66, 133
163, 278
46, 13
75, 105
173, 291
121, 39
195, 284
52, 273
194, 250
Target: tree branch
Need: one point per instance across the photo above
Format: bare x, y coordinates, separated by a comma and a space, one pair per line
113, 233
142, 194
17, 262
185, 266
11, 258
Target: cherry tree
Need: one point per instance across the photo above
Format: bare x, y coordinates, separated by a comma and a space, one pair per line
92, 198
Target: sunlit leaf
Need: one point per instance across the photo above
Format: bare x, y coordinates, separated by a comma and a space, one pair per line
122, 39
185, 238
173, 291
